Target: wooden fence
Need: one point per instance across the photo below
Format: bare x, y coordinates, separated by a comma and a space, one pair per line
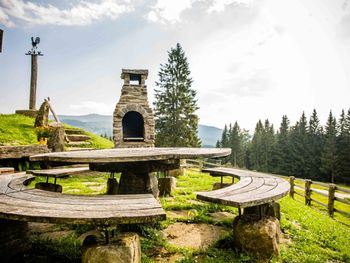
332, 192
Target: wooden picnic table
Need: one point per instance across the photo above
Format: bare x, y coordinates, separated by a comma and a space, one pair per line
136, 165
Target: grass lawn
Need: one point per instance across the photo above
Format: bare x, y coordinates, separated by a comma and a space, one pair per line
16, 129
309, 234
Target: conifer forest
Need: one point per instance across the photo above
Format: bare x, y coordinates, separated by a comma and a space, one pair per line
305, 150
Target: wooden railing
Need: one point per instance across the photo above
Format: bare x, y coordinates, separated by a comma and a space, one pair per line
330, 193
200, 164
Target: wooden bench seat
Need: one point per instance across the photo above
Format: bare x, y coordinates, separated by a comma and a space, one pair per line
18, 202
253, 189
58, 172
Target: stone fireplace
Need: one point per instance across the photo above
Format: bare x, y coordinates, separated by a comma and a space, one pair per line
133, 119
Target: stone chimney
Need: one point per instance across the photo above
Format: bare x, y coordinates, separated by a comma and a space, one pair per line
133, 119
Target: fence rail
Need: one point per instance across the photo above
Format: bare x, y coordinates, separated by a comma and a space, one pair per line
308, 191
330, 193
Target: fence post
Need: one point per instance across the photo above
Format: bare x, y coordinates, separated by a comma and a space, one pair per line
331, 198
308, 183
200, 164
291, 191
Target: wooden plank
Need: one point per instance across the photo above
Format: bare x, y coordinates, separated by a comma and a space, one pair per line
16, 152
318, 192
344, 201
6, 170
120, 155
262, 188
299, 187
342, 189
319, 203
60, 172
17, 202
342, 212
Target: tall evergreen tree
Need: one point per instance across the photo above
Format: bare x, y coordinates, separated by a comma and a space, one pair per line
343, 147
329, 151
282, 151
176, 104
236, 145
299, 149
268, 141
315, 146
256, 151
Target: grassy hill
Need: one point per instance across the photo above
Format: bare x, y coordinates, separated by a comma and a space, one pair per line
17, 129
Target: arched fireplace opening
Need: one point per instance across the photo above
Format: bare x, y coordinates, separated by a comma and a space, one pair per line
133, 126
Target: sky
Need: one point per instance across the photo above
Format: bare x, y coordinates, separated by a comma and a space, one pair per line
249, 59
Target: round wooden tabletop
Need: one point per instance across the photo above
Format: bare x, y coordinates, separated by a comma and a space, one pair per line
125, 155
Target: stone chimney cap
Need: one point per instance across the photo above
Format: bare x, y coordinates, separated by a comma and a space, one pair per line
134, 72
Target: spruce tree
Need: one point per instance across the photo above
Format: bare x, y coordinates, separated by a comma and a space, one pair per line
328, 156
176, 103
315, 146
299, 149
236, 145
343, 147
256, 151
282, 151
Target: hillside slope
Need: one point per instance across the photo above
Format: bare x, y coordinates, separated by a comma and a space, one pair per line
17, 129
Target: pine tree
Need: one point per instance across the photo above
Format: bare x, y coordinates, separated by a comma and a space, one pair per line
315, 146
268, 140
176, 104
328, 157
282, 151
256, 151
236, 145
343, 147
299, 149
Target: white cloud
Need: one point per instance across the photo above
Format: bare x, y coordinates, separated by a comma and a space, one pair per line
169, 11
220, 5
82, 13
86, 107
4, 19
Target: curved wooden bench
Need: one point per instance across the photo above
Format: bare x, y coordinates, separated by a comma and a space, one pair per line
253, 189
18, 202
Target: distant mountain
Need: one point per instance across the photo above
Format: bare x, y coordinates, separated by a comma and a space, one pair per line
209, 135
103, 124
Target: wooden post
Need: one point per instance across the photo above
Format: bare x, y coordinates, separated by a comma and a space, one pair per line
33, 82
291, 191
200, 165
308, 183
331, 199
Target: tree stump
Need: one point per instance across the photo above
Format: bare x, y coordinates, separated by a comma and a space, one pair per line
56, 139
125, 248
257, 236
166, 185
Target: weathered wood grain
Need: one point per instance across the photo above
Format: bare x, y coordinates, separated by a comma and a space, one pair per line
59, 172
16, 152
125, 155
253, 189
18, 202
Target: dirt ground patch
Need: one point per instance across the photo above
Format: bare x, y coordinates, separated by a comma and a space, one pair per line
193, 235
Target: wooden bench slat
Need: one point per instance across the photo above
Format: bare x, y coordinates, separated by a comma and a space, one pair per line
58, 172
262, 188
18, 202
